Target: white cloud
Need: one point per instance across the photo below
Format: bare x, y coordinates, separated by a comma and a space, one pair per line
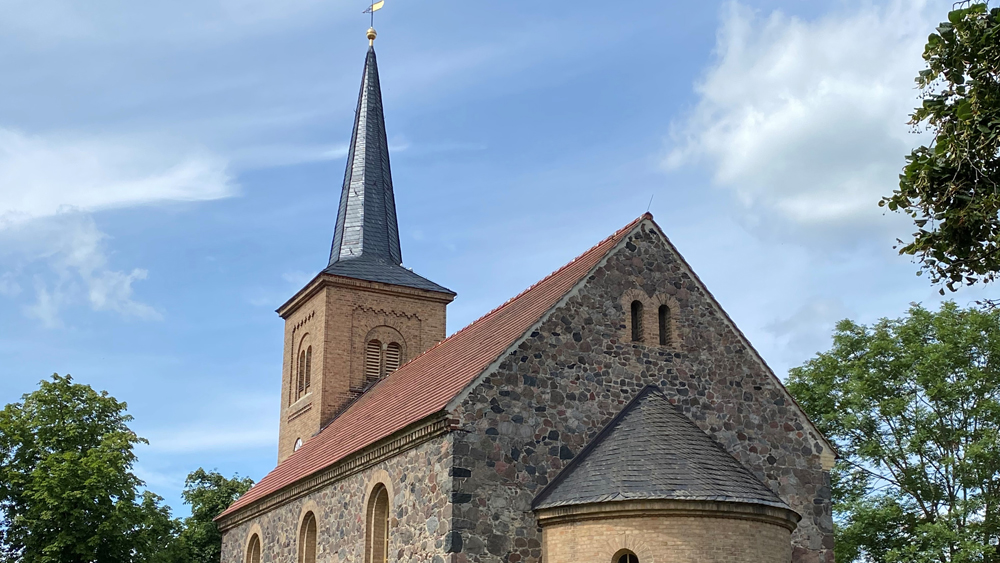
48, 185
805, 122
73, 251
41, 176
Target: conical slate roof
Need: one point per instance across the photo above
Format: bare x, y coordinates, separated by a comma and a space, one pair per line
650, 451
366, 236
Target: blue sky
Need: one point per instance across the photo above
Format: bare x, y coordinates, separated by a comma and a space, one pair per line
169, 175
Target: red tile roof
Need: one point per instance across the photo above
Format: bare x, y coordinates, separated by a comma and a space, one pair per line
425, 385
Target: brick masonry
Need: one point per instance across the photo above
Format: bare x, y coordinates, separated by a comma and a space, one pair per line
668, 540
334, 316
420, 513
537, 409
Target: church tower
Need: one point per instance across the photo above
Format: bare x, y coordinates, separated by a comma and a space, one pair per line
365, 314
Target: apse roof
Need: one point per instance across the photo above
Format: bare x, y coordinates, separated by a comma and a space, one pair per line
650, 451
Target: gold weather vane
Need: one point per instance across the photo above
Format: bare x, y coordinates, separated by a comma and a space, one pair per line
376, 6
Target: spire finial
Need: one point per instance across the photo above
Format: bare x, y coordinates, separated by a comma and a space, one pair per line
371, 36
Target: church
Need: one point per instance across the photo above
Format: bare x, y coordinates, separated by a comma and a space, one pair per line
610, 413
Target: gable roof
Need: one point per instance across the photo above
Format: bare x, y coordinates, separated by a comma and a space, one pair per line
650, 450
425, 385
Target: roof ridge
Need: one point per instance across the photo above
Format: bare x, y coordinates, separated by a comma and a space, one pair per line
522, 293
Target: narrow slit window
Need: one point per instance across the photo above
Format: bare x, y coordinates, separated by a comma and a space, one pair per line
308, 376
664, 314
636, 321
393, 357
300, 380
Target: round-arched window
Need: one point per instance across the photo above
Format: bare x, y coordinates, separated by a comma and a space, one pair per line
627, 557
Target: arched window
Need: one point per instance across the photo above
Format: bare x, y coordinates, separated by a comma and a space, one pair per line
307, 539
392, 357
377, 526
309, 359
637, 321
627, 557
373, 360
300, 378
664, 315
253, 550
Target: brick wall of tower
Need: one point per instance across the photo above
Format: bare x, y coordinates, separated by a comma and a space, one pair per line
532, 413
337, 319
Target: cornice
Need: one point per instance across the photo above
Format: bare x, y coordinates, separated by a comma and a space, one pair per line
784, 517
406, 439
322, 281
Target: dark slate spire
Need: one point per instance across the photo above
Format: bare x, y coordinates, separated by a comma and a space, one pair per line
366, 238
366, 222
651, 450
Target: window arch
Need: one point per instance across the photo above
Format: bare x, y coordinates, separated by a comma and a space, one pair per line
626, 557
253, 549
377, 526
307, 539
637, 321
664, 317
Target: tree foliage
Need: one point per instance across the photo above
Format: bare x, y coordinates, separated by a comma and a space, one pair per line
208, 493
913, 405
67, 491
951, 187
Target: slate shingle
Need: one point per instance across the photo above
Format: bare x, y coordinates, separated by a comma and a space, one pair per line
651, 450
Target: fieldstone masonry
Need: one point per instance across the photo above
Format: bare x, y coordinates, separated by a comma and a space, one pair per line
420, 518
562, 384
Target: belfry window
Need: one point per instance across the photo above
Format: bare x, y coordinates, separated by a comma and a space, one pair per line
253, 550
664, 316
637, 321
377, 526
381, 359
627, 557
373, 360
307, 540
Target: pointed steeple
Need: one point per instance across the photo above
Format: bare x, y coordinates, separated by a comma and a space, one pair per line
366, 237
366, 222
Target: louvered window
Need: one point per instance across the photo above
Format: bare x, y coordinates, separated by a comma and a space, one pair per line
373, 360
392, 357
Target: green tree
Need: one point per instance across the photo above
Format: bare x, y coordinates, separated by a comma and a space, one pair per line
67, 491
913, 405
951, 187
209, 493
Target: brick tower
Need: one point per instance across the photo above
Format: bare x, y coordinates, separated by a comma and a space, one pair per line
364, 315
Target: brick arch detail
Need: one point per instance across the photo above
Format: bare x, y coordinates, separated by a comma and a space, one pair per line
658, 299
379, 477
626, 300
254, 530
623, 542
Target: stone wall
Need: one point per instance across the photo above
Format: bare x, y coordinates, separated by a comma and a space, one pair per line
565, 381
667, 540
419, 488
